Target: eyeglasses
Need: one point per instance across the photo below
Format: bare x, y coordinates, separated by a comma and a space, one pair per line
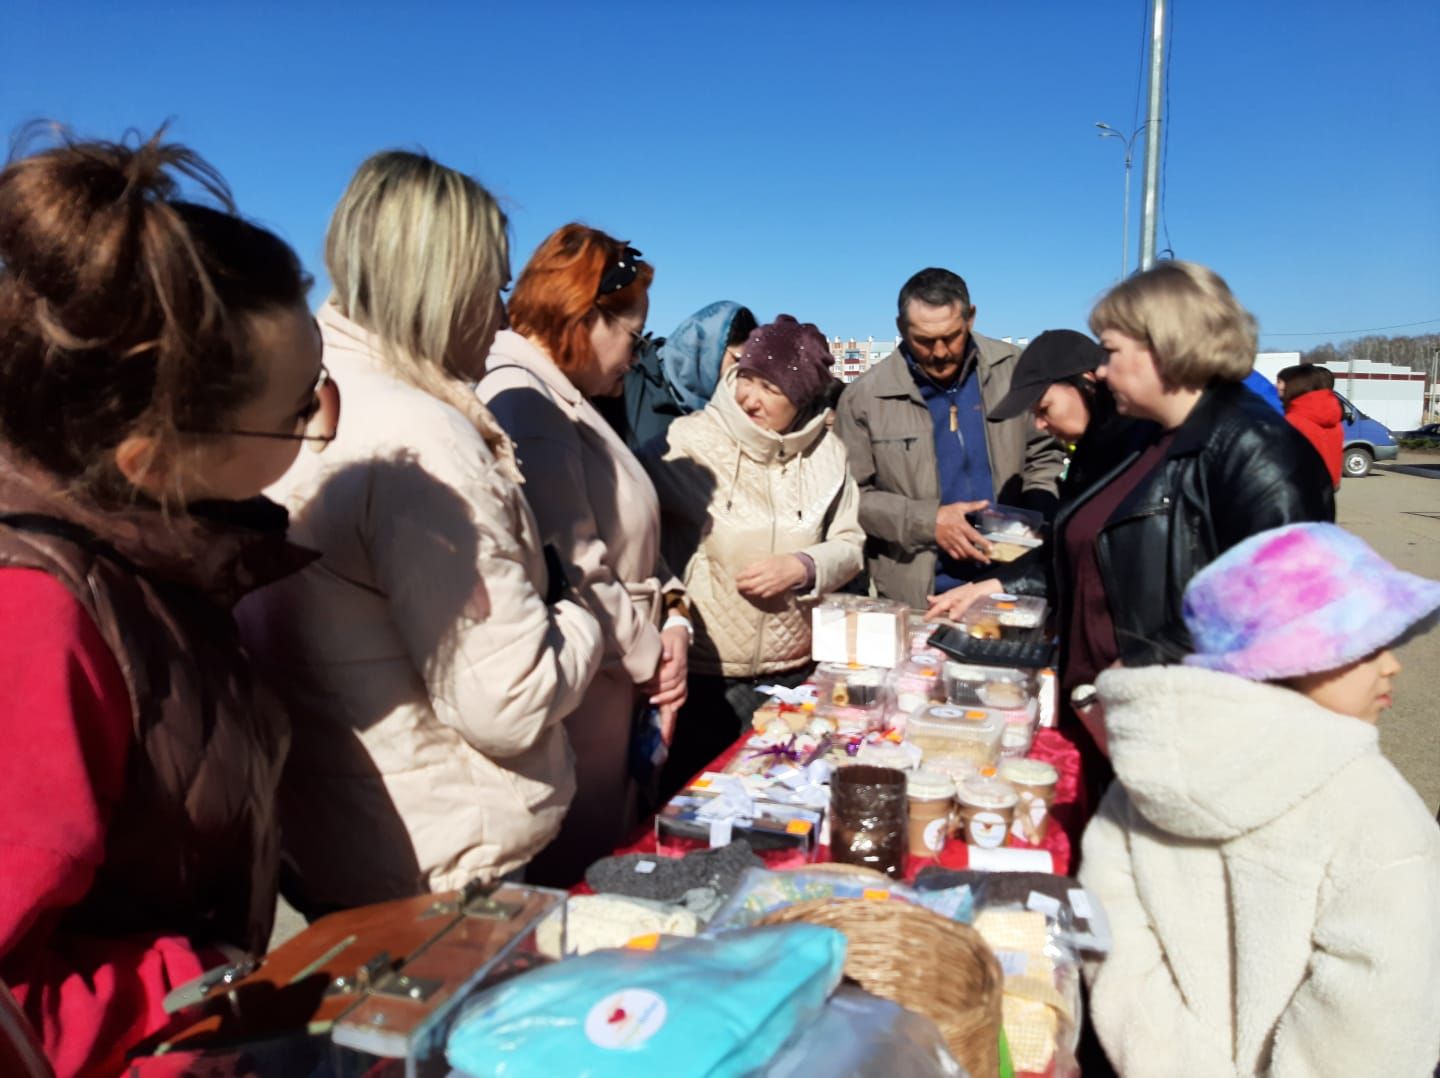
324, 386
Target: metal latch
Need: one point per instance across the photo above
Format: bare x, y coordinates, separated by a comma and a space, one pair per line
364, 978
476, 901
403, 986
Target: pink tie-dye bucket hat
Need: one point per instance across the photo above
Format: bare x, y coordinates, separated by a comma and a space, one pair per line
1301, 599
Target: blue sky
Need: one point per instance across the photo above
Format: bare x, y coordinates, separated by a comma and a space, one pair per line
807, 157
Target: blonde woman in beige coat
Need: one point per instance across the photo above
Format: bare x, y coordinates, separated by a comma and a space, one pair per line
759, 507
578, 309
426, 672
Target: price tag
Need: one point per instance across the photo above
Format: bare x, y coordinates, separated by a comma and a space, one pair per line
644, 943
644, 868
1080, 903
1050, 907
875, 894
798, 827
720, 832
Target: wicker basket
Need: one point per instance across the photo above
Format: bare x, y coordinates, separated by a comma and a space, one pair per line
922, 961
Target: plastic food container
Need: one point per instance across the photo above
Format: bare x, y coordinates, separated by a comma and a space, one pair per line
1034, 782
987, 810
857, 629
1020, 724
944, 732
1006, 614
916, 682
988, 686
932, 806
1011, 532
846, 685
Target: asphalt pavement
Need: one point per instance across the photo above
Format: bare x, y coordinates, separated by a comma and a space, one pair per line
1396, 509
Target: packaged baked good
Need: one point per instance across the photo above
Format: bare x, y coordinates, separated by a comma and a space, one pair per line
947, 732
972, 685
1009, 612
1011, 532
859, 629
986, 810
916, 682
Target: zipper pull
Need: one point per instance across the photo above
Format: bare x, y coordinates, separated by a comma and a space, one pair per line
954, 419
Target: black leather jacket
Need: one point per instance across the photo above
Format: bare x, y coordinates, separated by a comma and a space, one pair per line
1235, 468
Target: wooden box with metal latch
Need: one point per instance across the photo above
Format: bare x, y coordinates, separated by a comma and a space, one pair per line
383, 980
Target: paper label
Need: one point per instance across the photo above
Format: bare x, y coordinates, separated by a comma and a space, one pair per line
936, 831
798, 827
647, 942
625, 1019
1080, 903
1045, 904
720, 832
988, 829
1013, 963
876, 639
644, 867
875, 894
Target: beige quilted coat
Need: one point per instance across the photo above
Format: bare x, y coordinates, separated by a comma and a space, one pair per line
732, 493
425, 673
595, 505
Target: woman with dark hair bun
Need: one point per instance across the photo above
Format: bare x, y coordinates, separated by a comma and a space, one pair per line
158, 369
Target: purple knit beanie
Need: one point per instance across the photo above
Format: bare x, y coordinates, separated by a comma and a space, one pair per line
792, 356
1301, 599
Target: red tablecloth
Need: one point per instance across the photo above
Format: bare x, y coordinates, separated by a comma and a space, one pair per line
1050, 746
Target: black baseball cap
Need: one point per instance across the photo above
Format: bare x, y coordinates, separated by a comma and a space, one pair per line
1055, 354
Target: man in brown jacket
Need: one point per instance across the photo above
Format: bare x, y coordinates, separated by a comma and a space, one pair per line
922, 453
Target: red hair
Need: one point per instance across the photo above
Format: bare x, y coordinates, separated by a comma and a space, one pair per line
555, 298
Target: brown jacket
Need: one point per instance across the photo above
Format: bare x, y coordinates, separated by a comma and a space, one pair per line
193, 846
888, 433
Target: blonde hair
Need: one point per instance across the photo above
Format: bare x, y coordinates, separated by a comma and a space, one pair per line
418, 252
1188, 318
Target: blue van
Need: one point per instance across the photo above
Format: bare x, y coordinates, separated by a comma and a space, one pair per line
1366, 441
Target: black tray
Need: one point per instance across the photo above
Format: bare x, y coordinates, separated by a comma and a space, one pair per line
1033, 654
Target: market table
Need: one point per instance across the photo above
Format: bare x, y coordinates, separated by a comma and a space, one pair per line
1049, 745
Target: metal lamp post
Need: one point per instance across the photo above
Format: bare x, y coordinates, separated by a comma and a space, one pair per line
1106, 131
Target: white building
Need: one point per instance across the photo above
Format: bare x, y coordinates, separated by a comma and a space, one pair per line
1392, 395
853, 357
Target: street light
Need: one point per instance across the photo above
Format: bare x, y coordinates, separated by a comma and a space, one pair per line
1106, 131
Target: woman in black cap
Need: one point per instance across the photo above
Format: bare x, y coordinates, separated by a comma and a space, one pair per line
1055, 381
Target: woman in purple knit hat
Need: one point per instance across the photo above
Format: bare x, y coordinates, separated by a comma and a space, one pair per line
1271, 879
759, 508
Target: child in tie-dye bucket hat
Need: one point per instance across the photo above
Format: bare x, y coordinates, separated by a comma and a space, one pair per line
1272, 881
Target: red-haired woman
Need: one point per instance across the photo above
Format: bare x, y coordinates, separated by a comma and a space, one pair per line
579, 308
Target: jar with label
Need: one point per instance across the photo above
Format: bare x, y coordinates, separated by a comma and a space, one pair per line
987, 810
1034, 782
932, 806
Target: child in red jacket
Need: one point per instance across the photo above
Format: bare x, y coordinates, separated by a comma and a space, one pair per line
158, 368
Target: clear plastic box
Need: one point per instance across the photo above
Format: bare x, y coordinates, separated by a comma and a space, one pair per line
944, 732
997, 687
916, 682
1004, 615
858, 629
1012, 532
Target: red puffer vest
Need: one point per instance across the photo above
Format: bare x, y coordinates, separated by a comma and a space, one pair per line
193, 845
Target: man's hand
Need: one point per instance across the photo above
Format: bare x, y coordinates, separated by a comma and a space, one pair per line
770, 577
957, 536
956, 601
669, 687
